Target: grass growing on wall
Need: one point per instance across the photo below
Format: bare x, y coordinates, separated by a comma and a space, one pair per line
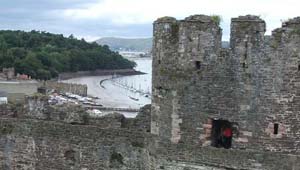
217, 19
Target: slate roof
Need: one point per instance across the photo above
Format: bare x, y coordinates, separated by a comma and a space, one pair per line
3, 94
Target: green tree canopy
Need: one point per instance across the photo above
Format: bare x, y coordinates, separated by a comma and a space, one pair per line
43, 55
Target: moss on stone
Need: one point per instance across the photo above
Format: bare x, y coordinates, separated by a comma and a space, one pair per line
116, 157
274, 44
174, 30
137, 144
295, 31
217, 19
163, 71
277, 39
7, 129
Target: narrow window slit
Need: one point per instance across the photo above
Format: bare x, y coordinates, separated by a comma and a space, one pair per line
198, 64
246, 50
276, 126
159, 87
244, 65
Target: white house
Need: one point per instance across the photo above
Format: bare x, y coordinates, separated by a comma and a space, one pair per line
3, 97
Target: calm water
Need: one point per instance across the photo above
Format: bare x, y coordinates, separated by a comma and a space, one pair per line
136, 89
139, 83
128, 91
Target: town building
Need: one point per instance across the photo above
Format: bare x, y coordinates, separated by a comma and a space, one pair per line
3, 97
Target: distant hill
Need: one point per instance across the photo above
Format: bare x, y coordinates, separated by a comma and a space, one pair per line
137, 44
127, 44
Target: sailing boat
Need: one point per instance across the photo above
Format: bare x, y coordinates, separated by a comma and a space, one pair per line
133, 98
133, 89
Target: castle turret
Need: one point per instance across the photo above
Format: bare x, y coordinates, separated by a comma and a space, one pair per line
246, 37
182, 50
165, 44
252, 92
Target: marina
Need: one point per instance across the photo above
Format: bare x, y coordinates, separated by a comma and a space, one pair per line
116, 91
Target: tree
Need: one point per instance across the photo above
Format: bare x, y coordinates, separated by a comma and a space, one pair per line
43, 55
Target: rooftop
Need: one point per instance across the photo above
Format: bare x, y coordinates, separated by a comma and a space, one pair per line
3, 94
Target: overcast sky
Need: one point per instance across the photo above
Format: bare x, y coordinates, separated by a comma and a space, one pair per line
92, 19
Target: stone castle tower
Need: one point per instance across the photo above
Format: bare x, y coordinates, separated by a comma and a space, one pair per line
252, 88
212, 108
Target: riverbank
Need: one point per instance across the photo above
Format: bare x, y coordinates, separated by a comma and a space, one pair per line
110, 92
122, 72
110, 96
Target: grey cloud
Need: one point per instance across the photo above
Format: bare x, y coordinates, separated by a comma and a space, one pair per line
45, 4
46, 15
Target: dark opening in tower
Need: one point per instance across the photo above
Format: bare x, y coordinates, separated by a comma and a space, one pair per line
276, 126
198, 64
221, 134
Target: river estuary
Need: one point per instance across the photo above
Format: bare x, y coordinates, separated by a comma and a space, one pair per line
121, 92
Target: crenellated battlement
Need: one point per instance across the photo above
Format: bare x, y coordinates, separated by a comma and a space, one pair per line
251, 87
248, 18
246, 36
291, 22
212, 108
196, 39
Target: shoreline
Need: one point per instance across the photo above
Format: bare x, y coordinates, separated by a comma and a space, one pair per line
110, 96
122, 72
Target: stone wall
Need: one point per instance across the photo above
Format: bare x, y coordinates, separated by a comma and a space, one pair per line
78, 89
180, 49
48, 145
254, 85
182, 157
28, 143
19, 89
125, 72
37, 107
7, 74
42, 136
142, 122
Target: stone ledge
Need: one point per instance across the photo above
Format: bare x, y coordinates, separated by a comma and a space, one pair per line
201, 18
229, 158
248, 18
166, 19
41, 128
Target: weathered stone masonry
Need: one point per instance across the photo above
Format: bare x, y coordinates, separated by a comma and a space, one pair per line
254, 84
41, 136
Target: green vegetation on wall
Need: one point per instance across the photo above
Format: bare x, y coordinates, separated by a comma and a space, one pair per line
43, 55
217, 19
